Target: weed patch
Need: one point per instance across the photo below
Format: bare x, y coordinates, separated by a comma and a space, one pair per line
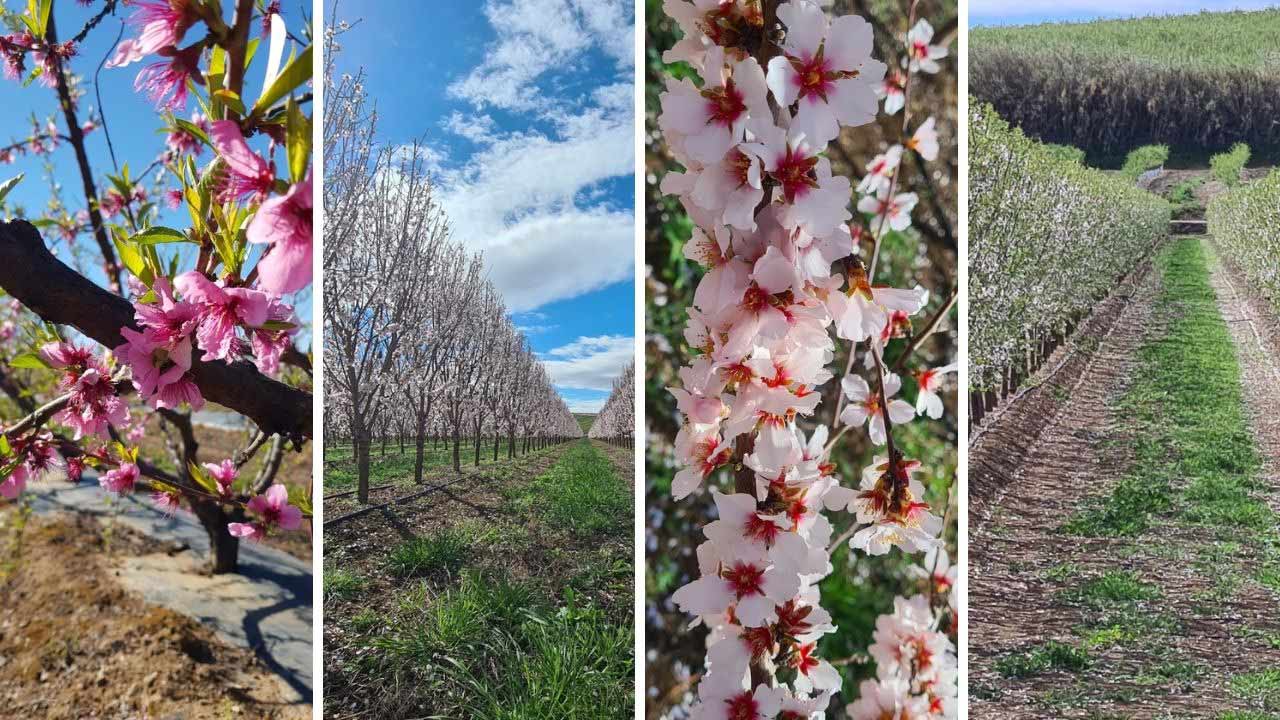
1044, 658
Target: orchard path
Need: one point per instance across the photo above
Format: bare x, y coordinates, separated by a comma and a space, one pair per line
267, 607
1130, 566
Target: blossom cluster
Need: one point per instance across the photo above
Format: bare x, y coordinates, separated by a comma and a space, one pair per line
227, 301
785, 280
1033, 209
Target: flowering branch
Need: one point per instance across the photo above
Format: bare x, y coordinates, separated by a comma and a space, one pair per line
60, 295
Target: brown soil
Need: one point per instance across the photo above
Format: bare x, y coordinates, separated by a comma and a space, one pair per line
1060, 453
75, 644
1255, 328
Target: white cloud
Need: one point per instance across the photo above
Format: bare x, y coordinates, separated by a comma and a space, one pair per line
592, 407
476, 128
538, 36
590, 363
528, 330
530, 203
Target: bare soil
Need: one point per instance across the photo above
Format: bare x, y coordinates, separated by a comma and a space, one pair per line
1056, 448
75, 644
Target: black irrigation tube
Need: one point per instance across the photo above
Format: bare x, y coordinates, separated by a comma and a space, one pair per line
402, 500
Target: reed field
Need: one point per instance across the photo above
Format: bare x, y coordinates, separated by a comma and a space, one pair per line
1198, 83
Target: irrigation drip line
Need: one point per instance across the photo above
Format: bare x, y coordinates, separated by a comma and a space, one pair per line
407, 498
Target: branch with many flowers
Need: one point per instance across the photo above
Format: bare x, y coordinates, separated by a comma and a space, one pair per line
178, 333
778, 82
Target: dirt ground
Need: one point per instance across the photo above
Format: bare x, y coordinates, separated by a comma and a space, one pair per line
1063, 444
74, 644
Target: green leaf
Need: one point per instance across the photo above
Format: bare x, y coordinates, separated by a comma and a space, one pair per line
202, 478
231, 100
193, 130
129, 255
277, 325
298, 134
158, 234
10, 184
29, 361
297, 72
4, 445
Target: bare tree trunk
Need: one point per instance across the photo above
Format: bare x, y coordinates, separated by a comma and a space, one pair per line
457, 439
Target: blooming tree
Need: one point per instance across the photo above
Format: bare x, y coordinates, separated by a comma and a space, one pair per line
790, 273
616, 421
417, 338
168, 318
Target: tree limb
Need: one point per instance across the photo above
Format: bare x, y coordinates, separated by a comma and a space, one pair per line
60, 295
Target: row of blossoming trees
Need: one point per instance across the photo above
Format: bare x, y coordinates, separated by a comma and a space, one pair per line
1030, 209
616, 421
1246, 222
416, 336
797, 351
160, 313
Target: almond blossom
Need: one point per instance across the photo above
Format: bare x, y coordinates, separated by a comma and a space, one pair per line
827, 69
784, 277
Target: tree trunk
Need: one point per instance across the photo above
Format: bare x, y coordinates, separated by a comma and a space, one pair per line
457, 439
224, 548
421, 443
478, 421
362, 463
497, 440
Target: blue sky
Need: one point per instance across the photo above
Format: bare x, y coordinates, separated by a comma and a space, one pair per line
1024, 12
130, 117
526, 107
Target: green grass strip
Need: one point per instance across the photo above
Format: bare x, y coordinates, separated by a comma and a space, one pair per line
582, 493
1187, 408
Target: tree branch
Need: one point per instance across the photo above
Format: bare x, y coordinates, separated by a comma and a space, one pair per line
60, 295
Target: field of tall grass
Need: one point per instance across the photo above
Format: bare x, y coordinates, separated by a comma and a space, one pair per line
1198, 83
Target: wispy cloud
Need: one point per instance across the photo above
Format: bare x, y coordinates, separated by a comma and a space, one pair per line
590, 363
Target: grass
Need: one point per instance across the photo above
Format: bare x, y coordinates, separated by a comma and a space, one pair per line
1052, 655
340, 473
582, 494
505, 617
446, 551
1190, 433
1113, 586
342, 584
1260, 688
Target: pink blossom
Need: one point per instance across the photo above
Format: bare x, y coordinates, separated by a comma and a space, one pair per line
165, 81
168, 323
221, 311
63, 355
893, 90
272, 509
224, 474
827, 70
252, 531
182, 142
93, 405
166, 501
284, 223
715, 117
270, 345
160, 374
121, 479
160, 24
246, 173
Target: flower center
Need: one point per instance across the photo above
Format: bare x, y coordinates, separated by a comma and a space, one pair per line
724, 104
745, 578
795, 173
742, 707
